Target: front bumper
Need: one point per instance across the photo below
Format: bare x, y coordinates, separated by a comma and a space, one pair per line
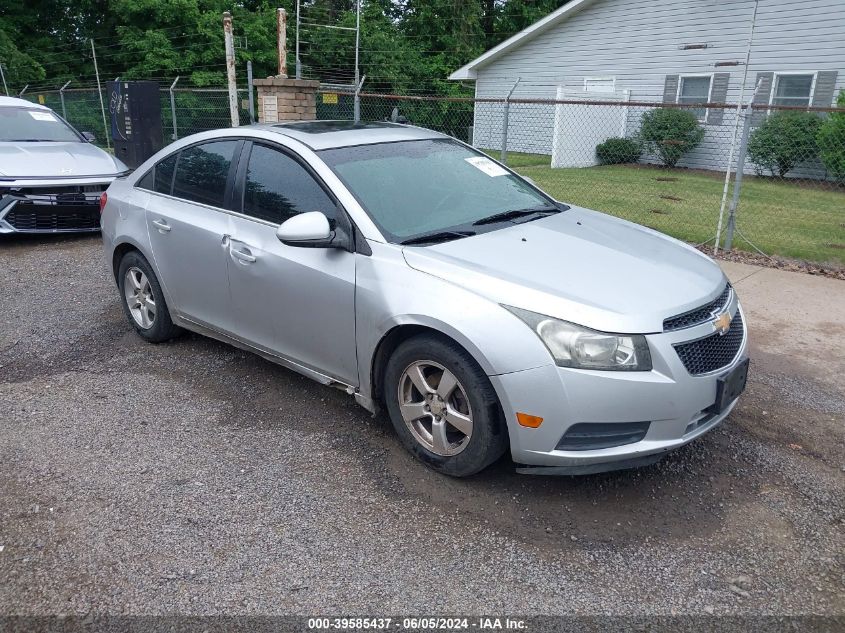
60, 206
675, 404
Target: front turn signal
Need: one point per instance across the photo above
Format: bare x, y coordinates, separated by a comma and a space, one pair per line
531, 421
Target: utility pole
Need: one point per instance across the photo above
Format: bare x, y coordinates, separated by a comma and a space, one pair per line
298, 65
230, 69
3, 75
357, 103
100, 92
282, 33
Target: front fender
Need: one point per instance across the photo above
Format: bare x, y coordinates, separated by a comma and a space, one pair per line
390, 294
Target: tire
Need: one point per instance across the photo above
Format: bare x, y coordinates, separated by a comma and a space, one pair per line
148, 314
433, 438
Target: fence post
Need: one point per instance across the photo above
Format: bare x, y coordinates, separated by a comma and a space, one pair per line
250, 89
100, 92
175, 134
62, 98
3, 75
740, 168
356, 101
503, 156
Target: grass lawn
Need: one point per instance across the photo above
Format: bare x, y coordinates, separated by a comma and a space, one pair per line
781, 218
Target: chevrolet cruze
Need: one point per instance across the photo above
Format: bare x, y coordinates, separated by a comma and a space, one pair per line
425, 279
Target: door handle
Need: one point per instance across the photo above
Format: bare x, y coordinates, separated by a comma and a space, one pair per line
162, 226
244, 256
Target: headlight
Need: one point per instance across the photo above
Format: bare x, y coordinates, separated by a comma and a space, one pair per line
575, 346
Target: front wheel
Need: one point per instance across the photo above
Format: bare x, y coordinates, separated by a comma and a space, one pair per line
443, 407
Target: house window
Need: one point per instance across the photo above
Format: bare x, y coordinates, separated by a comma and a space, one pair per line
695, 89
600, 84
793, 90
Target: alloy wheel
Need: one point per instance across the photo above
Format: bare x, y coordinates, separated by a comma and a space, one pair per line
139, 297
435, 407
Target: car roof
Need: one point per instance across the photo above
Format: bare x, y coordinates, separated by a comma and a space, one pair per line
320, 135
20, 103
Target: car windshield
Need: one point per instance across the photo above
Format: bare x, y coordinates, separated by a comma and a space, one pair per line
32, 124
435, 187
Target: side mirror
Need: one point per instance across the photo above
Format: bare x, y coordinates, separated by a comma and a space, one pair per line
89, 137
306, 229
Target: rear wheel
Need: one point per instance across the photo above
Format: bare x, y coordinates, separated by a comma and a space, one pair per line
143, 301
443, 407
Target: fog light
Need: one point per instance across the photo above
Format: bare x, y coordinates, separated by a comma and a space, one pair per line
531, 421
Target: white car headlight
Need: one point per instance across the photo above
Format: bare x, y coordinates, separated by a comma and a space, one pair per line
575, 346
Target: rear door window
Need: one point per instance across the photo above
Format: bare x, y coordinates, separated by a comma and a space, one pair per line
202, 172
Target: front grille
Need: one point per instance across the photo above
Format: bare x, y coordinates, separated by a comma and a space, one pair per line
712, 352
587, 436
70, 218
74, 208
699, 315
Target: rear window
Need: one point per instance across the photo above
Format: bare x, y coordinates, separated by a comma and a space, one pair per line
146, 181
164, 174
202, 171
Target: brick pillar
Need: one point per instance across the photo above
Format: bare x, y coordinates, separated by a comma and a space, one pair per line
281, 99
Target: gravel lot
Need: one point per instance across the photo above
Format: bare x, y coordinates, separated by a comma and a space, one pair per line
192, 477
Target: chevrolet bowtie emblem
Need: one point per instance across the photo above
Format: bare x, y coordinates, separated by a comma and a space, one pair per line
722, 323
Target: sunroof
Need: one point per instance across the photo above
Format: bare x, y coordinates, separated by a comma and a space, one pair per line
323, 127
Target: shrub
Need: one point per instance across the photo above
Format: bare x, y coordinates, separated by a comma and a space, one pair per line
785, 139
670, 133
831, 141
618, 150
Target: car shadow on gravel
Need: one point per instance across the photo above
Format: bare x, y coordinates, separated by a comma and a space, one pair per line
680, 497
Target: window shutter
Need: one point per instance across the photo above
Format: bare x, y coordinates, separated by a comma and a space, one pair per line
825, 86
718, 94
670, 89
764, 80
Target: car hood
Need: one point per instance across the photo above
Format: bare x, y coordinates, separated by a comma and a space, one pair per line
581, 266
44, 160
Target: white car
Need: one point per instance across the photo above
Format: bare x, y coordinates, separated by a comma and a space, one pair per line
51, 176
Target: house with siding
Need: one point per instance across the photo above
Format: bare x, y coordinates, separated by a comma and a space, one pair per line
675, 51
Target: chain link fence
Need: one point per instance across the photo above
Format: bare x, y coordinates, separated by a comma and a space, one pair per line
755, 178
765, 179
196, 109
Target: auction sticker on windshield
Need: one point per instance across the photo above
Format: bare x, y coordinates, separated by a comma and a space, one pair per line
487, 166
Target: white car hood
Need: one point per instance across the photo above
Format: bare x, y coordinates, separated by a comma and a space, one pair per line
63, 160
581, 266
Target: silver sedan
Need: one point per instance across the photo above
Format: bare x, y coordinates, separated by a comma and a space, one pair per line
424, 278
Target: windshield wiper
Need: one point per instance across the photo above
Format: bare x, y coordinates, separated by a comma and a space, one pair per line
437, 237
504, 216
